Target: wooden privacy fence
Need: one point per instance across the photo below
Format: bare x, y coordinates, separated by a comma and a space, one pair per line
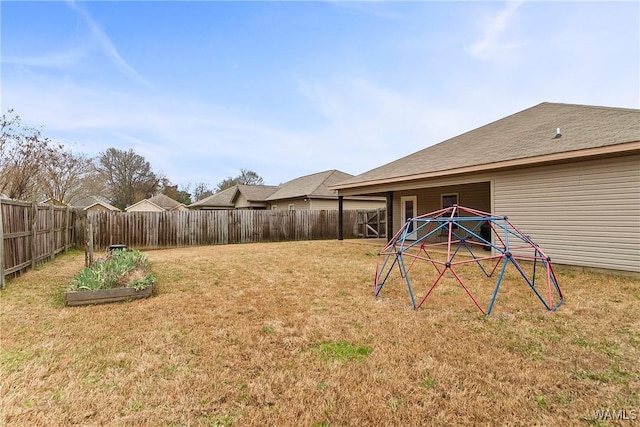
32, 233
215, 227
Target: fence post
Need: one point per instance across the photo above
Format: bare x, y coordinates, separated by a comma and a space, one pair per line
88, 249
52, 232
1, 248
34, 233
64, 238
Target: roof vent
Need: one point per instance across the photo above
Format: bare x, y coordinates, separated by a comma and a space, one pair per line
558, 134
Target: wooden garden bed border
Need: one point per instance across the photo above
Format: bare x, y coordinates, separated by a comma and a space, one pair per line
104, 296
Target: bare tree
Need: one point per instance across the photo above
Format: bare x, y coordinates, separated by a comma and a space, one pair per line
23, 153
65, 175
246, 177
201, 191
128, 176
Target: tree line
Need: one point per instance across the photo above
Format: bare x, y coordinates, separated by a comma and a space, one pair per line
35, 168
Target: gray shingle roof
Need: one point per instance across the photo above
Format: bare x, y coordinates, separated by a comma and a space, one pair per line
314, 185
226, 198
221, 199
528, 133
164, 201
257, 193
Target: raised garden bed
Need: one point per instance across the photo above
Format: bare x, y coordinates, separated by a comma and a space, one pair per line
120, 276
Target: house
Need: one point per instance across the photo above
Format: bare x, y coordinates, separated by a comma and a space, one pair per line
313, 192
307, 192
567, 175
95, 203
157, 203
237, 197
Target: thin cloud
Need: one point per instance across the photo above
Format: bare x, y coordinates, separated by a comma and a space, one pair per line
59, 60
493, 44
169, 133
107, 46
373, 116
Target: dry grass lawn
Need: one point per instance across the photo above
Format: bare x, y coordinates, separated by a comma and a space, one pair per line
289, 334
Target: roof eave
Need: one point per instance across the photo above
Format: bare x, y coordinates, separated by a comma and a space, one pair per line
527, 161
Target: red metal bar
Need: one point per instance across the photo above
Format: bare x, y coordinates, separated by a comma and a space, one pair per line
468, 292
431, 288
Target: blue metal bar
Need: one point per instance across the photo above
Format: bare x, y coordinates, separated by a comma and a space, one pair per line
389, 270
406, 278
476, 259
524, 276
506, 235
535, 261
495, 291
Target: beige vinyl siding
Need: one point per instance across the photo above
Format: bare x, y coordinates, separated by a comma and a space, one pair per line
364, 204
332, 204
326, 204
298, 204
242, 203
584, 213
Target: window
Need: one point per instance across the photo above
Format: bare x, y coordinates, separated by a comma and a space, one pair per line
448, 200
292, 207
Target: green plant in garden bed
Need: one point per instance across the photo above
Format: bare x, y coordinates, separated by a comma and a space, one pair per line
119, 269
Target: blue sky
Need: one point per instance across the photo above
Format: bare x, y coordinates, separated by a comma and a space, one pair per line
202, 89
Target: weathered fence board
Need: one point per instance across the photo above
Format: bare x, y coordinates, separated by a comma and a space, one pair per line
32, 233
194, 228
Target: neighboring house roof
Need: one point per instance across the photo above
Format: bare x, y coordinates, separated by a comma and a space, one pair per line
165, 202
159, 202
311, 186
526, 137
225, 199
222, 199
86, 203
257, 193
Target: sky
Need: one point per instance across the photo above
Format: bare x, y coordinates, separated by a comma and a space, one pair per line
203, 89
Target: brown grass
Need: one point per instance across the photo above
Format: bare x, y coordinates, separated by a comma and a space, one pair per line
289, 334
